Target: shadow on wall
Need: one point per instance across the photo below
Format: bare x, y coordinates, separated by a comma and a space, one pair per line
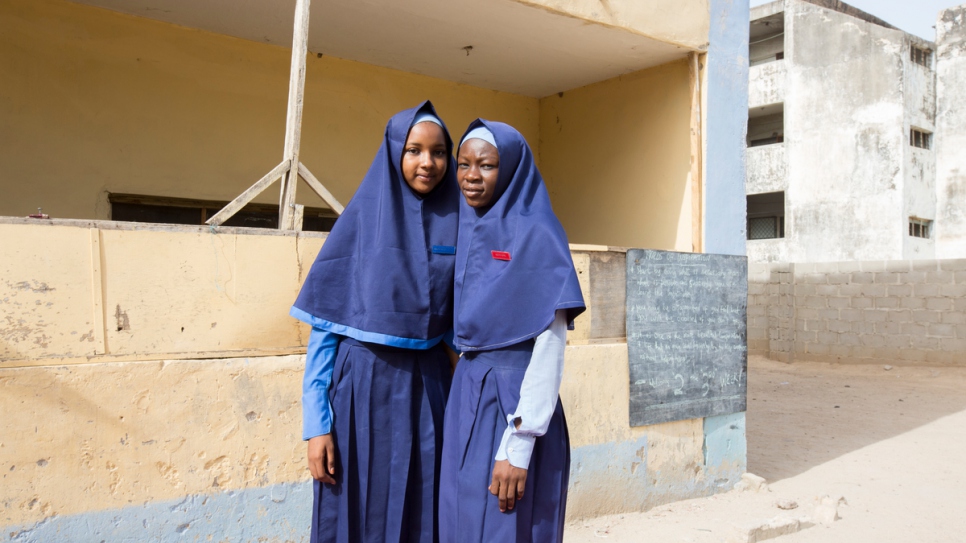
803, 415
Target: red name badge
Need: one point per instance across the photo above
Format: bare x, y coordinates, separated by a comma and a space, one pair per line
500, 255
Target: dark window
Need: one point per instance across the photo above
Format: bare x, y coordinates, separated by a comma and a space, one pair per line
766, 39
920, 56
766, 125
919, 228
157, 209
920, 138
766, 215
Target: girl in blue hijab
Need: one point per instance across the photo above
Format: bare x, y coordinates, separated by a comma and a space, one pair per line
379, 298
506, 452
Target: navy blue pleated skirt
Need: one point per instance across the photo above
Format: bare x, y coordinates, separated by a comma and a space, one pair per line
387, 405
486, 387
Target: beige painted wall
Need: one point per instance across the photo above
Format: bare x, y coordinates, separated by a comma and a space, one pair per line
616, 156
86, 291
74, 292
129, 344
126, 433
672, 21
94, 101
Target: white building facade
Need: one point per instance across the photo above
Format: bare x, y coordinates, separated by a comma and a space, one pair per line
843, 138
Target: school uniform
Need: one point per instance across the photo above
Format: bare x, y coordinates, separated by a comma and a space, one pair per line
516, 291
379, 299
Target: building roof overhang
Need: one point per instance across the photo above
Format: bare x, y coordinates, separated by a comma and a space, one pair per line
529, 47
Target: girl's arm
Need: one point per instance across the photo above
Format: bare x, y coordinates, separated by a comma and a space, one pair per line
316, 409
538, 400
538, 394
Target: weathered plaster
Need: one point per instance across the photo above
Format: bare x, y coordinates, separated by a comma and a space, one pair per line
767, 169
851, 178
766, 84
951, 134
77, 291
278, 513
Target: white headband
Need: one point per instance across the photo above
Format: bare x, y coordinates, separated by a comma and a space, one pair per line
427, 118
480, 133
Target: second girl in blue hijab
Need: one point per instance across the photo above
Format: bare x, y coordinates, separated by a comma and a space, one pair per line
506, 453
379, 298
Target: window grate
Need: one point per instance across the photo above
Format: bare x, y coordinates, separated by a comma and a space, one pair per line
919, 228
920, 56
766, 227
920, 138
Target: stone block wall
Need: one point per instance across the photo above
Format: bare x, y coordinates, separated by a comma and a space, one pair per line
909, 312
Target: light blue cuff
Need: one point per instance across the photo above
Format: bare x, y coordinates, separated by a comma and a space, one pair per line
516, 448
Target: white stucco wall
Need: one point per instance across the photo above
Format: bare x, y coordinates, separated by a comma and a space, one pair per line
766, 84
951, 134
919, 188
852, 180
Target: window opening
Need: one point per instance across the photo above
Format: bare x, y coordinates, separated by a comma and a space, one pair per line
766, 39
920, 138
920, 56
919, 228
766, 215
164, 210
766, 125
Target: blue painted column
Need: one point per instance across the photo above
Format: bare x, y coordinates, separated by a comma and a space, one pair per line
725, 452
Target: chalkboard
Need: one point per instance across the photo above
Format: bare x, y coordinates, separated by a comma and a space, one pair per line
686, 335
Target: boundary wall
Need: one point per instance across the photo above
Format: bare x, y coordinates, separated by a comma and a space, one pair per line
150, 385
904, 312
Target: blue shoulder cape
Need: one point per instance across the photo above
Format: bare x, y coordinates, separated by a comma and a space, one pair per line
513, 265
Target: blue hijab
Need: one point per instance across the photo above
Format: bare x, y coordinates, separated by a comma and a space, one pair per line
514, 268
387, 266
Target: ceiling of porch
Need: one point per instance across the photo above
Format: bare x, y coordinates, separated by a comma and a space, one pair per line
516, 47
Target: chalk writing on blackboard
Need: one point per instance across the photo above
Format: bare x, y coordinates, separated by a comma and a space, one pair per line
686, 335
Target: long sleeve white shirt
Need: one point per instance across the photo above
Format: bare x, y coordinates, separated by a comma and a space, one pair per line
539, 394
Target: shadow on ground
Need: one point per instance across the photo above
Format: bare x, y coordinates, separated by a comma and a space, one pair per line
802, 415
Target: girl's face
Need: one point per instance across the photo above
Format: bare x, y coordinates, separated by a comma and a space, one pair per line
477, 170
424, 157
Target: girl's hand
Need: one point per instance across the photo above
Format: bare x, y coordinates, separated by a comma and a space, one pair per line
453, 358
322, 458
508, 484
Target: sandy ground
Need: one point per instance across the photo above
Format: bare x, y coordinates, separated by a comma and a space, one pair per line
891, 443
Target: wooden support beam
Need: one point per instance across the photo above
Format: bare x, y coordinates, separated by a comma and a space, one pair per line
244, 198
697, 149
299, 217
293, 118
320, 189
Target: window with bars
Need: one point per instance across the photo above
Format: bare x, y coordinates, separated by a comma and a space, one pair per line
766, 228
921, 56
159, 209
766, 216
919, 228
920, 138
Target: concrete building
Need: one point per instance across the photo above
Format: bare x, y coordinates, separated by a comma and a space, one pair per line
150, 374
843, 137
951, 133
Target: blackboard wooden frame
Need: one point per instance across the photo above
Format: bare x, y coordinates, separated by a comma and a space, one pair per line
687, 335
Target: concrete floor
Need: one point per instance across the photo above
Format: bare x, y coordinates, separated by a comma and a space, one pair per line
889, 442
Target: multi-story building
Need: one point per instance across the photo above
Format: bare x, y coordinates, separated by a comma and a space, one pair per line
842, 137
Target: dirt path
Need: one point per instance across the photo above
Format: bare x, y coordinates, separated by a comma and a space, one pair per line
892, 443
